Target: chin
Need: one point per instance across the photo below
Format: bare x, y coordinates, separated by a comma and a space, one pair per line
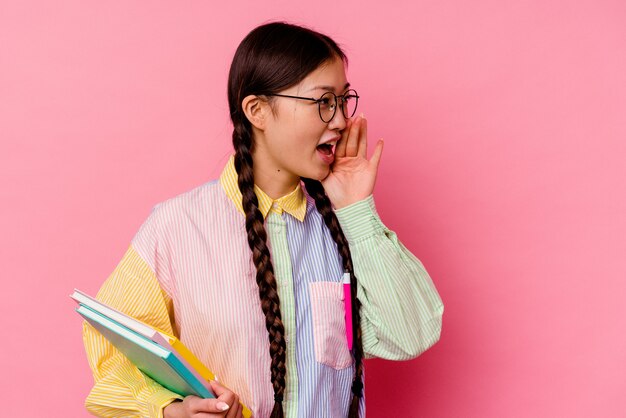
319, 173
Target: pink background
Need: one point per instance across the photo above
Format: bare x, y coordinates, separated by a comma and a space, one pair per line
503, 171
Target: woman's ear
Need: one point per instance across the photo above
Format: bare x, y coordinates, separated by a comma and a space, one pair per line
256, 110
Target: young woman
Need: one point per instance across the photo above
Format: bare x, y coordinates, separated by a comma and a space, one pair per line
248, 269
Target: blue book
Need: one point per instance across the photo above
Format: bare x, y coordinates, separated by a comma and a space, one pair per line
160, 364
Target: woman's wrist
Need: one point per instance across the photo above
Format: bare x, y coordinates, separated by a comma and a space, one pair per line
348, 202
173, 409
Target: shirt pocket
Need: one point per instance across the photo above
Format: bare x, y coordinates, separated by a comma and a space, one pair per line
329, 326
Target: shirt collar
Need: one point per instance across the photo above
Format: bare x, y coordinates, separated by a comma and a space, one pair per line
293, 203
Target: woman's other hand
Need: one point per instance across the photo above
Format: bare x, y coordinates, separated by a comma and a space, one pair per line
225, 405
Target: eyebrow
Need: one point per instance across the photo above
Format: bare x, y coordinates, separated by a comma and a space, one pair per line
330, 88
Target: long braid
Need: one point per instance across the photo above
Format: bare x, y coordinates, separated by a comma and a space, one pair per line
322, 202
257, 239
271, 58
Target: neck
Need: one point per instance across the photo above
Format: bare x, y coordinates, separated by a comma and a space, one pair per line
275, 181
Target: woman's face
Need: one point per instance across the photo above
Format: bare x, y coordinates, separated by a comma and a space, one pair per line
293, 133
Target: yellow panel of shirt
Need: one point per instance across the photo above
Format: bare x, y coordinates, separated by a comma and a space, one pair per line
293, 203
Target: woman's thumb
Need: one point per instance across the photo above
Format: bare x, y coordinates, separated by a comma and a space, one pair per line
217, 388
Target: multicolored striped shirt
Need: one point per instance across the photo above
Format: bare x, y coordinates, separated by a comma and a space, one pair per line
189, 271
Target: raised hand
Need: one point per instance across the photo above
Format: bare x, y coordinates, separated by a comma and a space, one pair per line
352, 176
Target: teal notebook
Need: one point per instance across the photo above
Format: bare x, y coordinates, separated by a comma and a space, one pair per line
158, 363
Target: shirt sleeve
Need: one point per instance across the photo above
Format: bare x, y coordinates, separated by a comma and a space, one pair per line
401, 310
120, 388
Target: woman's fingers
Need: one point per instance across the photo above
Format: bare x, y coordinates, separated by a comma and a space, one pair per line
226, 405
236, 411
211, 406
340, 148
218, 389
235, 406
194, 405
352, 145
362, 144
378, 151
224, 394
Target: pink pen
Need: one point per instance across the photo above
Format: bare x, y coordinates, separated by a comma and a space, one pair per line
347, 300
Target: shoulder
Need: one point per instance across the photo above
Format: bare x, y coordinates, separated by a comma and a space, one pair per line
185, 207
188, 200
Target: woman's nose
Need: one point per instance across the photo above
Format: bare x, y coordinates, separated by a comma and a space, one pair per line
338, 121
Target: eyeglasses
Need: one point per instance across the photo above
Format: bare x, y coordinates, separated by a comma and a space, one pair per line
327, 104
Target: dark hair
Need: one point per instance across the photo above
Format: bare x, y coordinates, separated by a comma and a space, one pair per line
271, 58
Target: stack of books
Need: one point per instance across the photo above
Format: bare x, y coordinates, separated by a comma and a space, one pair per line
157, 354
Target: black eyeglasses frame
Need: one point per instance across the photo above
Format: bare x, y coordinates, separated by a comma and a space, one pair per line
319, 101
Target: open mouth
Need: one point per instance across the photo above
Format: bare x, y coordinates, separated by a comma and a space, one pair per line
326, 149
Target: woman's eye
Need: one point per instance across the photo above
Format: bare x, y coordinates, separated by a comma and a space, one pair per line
325, 103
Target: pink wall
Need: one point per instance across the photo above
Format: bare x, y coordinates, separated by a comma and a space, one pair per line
505, 128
